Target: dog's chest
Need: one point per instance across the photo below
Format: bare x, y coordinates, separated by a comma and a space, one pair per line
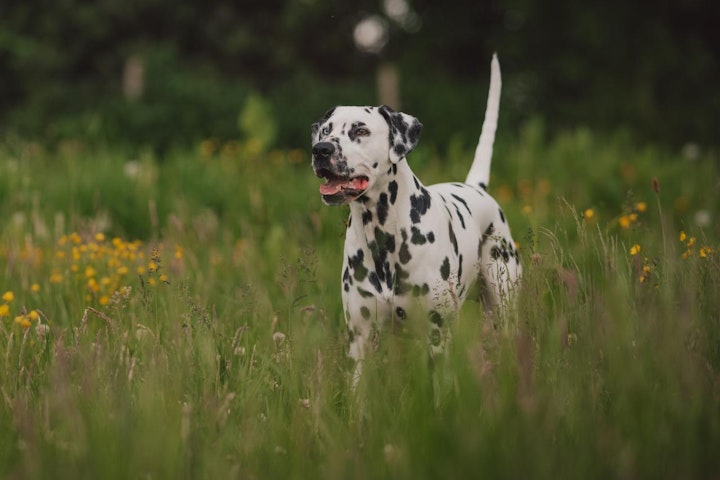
424, 259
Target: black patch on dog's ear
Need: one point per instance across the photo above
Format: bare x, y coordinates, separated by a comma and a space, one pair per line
316, 125
404, 132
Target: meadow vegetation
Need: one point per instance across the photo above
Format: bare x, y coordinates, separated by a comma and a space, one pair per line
180, 317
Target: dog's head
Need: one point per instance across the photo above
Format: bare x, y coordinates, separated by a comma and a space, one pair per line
354, 147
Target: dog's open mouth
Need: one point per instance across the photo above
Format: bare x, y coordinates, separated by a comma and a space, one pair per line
336, 184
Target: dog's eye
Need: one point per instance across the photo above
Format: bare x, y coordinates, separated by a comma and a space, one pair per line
362, 132
325, 131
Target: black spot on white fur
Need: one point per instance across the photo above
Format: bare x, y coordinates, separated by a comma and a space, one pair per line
490, 230
445, 269
419, 205
393, 189
464, 203
375, 281
403, 133
364, 293
453, 239
355, 262
353, 133
404, 252
460, 260
382, 208
367, 217
459, 215
436, 318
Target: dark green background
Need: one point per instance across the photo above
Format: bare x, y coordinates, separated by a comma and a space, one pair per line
650, 68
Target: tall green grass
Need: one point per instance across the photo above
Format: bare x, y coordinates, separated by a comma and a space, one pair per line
227, 359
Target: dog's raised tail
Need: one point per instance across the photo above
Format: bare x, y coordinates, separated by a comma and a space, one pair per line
480, 170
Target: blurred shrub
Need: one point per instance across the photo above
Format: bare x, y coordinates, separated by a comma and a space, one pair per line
256, 121
180, 104
609, 65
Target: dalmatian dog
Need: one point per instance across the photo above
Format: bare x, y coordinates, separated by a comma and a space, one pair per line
411, 247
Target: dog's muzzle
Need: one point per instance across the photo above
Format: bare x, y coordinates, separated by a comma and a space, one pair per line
339, 187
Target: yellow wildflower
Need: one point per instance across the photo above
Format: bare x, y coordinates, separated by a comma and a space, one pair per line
104, 300
93, 285
635, 249
4, 310
90, 271
683, 236
645, 273
56, 277
641, 207
705, 252
624, 221
33, 315
589, 213
100, 237
8, 296
35, 288
23, 321
152, 266
690, 242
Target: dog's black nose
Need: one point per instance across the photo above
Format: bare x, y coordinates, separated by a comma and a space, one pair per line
323, 149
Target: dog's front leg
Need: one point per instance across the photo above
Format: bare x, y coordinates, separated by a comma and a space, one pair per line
361, 332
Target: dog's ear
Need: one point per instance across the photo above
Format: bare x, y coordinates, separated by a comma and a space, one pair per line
404, 132
316, 125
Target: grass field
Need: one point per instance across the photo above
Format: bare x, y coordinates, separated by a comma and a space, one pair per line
181, 318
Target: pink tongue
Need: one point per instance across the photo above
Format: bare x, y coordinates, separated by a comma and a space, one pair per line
360, 183
334, 186
331, 187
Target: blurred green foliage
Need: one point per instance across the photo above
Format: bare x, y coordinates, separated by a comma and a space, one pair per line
257, 121
640, 67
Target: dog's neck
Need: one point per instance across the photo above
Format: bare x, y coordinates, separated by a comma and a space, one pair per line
388, 205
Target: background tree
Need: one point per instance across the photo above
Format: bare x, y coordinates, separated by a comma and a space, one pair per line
649, 68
